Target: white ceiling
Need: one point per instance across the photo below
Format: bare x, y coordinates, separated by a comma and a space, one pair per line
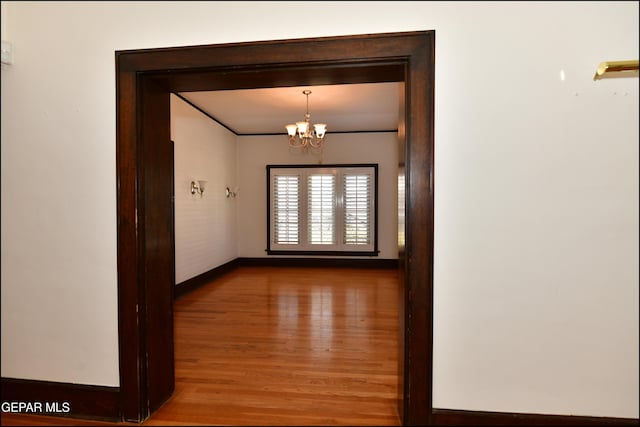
344, 108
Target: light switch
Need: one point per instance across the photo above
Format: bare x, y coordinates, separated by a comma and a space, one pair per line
7, 53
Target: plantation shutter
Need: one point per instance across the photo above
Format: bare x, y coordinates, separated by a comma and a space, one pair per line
321, 220
286, 209
322, 210
357, 209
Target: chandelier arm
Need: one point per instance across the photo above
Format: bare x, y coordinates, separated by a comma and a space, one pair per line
315, 143
295, 143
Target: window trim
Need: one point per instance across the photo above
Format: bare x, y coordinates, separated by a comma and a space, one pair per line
374, 252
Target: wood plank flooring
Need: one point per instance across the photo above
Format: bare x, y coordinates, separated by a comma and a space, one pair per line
282, 346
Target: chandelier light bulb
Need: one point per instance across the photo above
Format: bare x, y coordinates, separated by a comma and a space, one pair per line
291, 130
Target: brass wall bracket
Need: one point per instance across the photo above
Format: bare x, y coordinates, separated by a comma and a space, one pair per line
616, 69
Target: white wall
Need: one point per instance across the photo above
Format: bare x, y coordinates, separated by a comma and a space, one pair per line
536, 209
255, 152
205, 227
4, 22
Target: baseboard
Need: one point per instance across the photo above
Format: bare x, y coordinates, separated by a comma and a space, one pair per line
189, 285
61, 399
449, 417
319, 262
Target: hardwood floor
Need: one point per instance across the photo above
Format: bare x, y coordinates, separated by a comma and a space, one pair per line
282, 346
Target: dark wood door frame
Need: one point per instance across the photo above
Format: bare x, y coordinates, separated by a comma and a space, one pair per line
144, 81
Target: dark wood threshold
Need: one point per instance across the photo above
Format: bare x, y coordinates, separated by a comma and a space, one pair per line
144, 80
449, 417
56, 399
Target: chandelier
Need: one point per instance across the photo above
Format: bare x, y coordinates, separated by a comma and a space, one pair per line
302, 135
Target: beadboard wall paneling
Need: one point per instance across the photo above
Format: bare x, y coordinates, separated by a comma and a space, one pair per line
205, 227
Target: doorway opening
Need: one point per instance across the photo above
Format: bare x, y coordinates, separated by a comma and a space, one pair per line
146, 78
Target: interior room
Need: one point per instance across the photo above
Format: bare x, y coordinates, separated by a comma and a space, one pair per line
522, 272
238, 224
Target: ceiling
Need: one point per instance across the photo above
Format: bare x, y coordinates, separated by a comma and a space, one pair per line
344, 108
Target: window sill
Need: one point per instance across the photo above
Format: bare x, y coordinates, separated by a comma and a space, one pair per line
327, 253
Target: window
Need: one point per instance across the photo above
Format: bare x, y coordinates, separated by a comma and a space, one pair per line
326, 210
